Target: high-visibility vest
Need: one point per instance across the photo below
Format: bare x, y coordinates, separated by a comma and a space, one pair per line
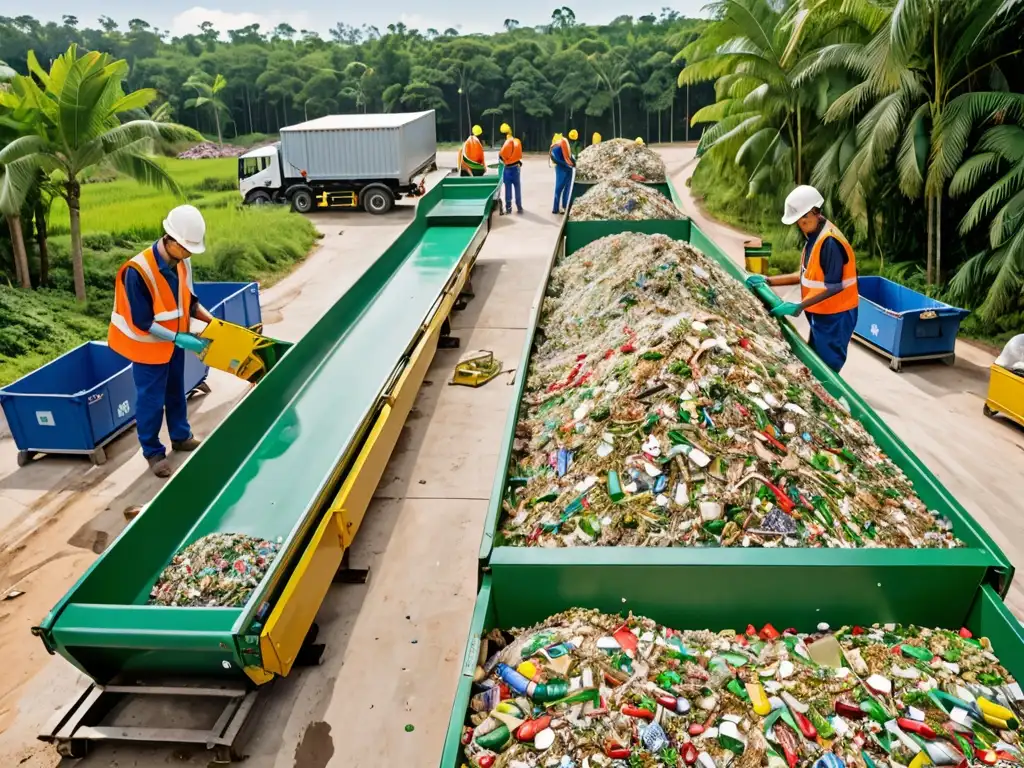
812, 277
471, 156
512, 151
563, 145
170, 311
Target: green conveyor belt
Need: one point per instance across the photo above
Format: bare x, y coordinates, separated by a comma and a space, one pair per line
272, 464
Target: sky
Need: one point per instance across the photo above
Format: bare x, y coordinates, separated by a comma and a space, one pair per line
320, 15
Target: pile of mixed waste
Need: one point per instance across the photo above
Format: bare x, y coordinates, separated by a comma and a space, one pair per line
622, 200
662, 407
589, 689
205, 150
218, 570
619, 159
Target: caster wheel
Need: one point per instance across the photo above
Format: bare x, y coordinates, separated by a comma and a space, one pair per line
989, 412
98, 457
204, 388
73, 748
24, 457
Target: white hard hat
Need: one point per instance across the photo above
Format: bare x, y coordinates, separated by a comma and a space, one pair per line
800, 201
186, 225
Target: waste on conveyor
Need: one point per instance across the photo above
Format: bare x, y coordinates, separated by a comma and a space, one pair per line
619, 159
590, 689
217, 570
663, 407
623, 200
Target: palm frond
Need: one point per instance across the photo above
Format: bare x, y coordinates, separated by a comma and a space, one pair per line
1008, 219
133, 160
913, 155
1006, 268
997, 194
908, 18
1005, 140
973, 170
23, 146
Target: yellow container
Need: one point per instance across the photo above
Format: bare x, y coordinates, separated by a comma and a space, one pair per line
757, 265
1005, 395
232, 348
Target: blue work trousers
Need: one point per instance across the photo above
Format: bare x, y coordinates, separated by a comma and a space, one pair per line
161, 388
831, 334
513, 181
563, 180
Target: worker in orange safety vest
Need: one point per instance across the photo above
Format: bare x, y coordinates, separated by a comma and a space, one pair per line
471, 156
827, 278
154, 301
512, 158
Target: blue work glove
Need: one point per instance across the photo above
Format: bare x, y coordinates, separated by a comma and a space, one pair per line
786, 309
191, 343
756, 280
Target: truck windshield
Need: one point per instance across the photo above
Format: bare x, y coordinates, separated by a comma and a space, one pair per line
247, 166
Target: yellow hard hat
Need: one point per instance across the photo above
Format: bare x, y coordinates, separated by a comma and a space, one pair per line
505, 129
573, 135
596, 138
556, 138
477, 130
639, 141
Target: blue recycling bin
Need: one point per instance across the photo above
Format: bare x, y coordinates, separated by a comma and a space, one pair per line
904, 325
75, 404
237, 303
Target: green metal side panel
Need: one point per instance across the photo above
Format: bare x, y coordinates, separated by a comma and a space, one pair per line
268, 468
656, 594
843, 577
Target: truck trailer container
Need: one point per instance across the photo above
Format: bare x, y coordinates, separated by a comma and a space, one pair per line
342, 161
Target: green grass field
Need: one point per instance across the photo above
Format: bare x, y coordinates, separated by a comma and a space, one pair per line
121, 217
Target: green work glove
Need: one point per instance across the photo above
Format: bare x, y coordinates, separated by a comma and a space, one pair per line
756, 280
786, 309
188, 341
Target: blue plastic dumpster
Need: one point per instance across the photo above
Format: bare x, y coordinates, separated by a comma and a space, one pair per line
904, 325
75, 404
237, 303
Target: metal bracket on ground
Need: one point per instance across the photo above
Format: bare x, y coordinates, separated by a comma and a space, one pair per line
81, 725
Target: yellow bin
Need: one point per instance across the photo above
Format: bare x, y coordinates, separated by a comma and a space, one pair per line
1005, 395
232, 348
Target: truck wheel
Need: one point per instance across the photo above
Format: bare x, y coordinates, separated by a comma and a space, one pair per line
302, 201
378, 200
259, 198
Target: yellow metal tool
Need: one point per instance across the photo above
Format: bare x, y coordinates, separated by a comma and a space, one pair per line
476, 369
232, 348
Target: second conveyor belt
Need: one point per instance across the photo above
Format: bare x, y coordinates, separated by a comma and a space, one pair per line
297, 461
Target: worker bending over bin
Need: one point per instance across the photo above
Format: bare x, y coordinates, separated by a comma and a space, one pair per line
154, 300
471, 156
512, 158
827, 278
562, 157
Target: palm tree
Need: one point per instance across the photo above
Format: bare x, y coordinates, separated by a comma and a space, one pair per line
75, 127
207, 90
920, 55
752, 51
615, 75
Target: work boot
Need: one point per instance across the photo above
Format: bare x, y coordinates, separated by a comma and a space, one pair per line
159, 466
185, 445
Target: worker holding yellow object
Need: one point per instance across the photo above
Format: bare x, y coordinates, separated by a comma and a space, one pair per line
154, 300
471, 156
512, 158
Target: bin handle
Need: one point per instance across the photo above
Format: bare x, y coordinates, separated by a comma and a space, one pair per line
932, 314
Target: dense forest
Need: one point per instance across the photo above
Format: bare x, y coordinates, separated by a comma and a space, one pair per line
616, 78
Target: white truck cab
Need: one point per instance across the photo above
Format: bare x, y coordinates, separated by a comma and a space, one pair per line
259, 174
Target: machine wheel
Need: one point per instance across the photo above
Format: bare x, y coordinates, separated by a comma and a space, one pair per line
988, 411
259, 198
377, 200
73, 748
98, 457
302, 201
24, 457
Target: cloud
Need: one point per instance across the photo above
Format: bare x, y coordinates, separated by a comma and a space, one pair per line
188, 21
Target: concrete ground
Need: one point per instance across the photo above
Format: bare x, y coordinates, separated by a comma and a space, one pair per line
395, 644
